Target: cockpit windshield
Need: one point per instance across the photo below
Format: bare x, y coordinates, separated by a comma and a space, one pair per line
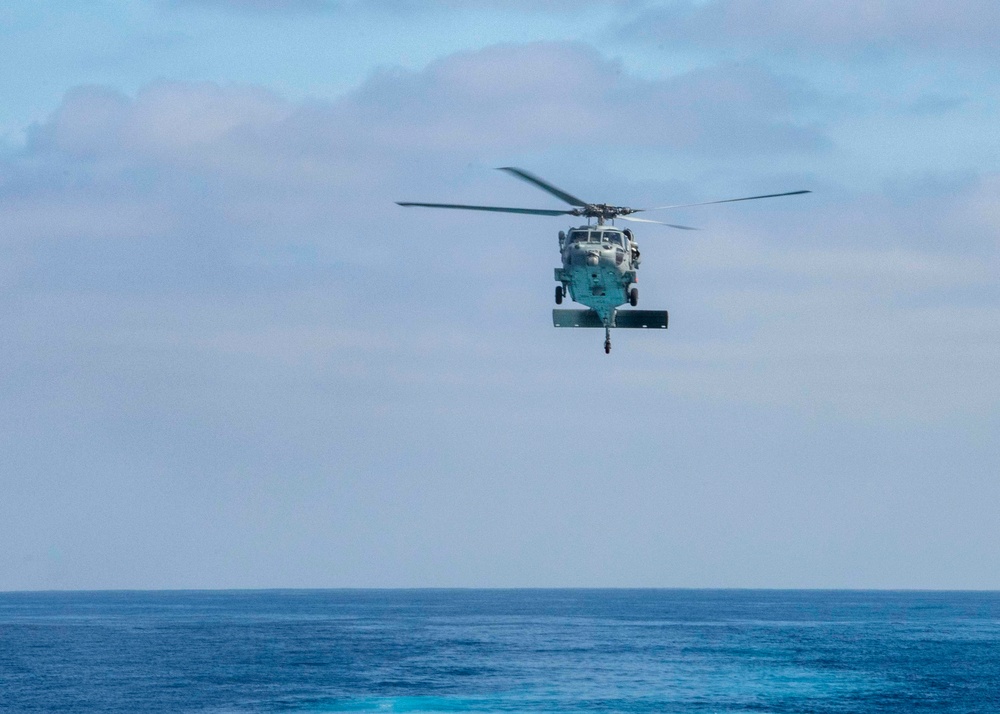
613, 237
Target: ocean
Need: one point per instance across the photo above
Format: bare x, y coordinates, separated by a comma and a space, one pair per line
459, 651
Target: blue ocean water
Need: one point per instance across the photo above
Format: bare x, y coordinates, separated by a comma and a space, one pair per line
500, 651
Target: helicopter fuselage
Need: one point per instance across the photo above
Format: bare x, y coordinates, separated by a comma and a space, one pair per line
599, 265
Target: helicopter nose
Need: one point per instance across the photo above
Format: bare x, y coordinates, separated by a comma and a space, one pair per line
593, 257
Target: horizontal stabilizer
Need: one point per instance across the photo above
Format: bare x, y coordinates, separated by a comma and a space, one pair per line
576, 318
623, 318
642, 318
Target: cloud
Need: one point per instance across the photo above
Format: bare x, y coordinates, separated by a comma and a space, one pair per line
196, 186
164, 120
550, 94
266, 6
407, 7
820, 25
212, 305
211, 161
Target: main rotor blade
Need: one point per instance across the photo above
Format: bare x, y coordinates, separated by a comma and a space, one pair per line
726, 200
646, 220
544, 185
495, 209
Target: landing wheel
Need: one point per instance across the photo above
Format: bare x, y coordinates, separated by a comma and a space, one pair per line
607, 347
633, 297
559, 294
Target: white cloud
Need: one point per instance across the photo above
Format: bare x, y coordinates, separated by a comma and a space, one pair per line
824, 25
164, 119
266, 6
199, 157
407, 6
512, 98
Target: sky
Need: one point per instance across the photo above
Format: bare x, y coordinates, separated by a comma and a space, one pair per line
230, 360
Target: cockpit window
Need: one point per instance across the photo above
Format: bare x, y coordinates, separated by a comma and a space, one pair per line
613, 237
595, 236
578, 236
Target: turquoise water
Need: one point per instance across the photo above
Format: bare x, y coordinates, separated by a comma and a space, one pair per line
500, 651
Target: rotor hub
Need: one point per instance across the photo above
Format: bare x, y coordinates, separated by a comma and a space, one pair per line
603, 211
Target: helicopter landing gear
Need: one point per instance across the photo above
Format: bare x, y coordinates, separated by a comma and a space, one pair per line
633, 297
607, 340
559, 294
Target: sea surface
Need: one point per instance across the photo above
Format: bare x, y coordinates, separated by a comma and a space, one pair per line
460, 651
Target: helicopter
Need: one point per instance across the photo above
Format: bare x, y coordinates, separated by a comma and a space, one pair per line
599, 261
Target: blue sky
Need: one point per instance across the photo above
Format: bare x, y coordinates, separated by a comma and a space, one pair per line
232, 361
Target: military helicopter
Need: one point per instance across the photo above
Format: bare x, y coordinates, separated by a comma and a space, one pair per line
600, 261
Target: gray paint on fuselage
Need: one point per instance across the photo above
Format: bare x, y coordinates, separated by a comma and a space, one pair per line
599, 264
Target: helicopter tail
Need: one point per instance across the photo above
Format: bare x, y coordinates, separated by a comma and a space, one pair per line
576, 318
650, 319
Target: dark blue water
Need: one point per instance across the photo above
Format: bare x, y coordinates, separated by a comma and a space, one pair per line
500, 651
